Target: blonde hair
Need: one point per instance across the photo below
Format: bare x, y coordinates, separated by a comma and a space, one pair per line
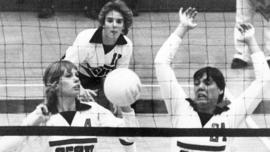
51, 77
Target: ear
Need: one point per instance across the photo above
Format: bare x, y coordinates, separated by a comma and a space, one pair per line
221, 92
57, 86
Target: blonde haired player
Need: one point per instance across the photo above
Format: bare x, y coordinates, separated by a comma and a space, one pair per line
64, 108
207, 109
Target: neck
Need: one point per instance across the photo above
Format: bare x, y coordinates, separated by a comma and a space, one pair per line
107, 40
204, 109
66, 104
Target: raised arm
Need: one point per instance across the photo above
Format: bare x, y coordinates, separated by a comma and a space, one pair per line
14, 143
252, 96
171, 91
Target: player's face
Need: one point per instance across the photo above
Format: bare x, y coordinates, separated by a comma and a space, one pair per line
114, 24
69, 84
206, 94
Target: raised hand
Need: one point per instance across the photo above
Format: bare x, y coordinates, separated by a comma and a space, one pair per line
187, 17
87, 95
247, 32
38, 116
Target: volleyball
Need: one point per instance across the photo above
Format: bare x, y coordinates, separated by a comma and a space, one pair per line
122, 87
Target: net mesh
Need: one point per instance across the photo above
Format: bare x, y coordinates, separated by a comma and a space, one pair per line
29, 44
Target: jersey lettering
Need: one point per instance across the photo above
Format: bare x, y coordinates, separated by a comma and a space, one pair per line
115, 58
215, 138
88, 148
87, 122
100, 71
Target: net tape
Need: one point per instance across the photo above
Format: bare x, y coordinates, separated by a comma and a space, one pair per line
139, 132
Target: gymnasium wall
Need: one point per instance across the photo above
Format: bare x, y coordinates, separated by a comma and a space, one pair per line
143, 5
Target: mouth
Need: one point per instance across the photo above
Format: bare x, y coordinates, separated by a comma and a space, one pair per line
114, 32
77, 87
201, 96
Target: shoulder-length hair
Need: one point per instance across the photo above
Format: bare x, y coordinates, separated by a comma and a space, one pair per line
121, 7
51, 78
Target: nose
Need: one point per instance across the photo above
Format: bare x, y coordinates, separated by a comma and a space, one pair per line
76, 78
201, 86
114, 23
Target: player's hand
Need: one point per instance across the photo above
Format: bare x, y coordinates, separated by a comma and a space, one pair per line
247, 32
126, 108
86, 95
187, 18
39, 116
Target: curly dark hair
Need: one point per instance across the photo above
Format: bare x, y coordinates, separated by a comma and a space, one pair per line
119, 6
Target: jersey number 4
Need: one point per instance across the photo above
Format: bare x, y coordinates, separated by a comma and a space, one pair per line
87, 122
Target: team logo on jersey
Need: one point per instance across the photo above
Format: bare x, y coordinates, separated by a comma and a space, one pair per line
75, 149
100, 71
73, 145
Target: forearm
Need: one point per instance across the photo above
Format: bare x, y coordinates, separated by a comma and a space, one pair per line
168, 50
253, 46
130, 121
129, 118
261, 68
11, 143
181, 31
165, 74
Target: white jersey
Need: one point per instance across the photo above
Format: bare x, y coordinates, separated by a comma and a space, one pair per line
184, 115
87, 52
96, 116
93, 115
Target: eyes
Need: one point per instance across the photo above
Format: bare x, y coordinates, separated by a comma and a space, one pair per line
70, 74
207, 82
117, 20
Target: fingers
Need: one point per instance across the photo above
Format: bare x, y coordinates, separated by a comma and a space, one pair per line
240, 28
181, 11
249, 26
43, 109
244, 27
38, 117
190, 12
87, 95
93, 92
246, 32
194, 13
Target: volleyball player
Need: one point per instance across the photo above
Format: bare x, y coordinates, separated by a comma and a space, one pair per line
207, 109
100, 50
63, 108
245, 12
